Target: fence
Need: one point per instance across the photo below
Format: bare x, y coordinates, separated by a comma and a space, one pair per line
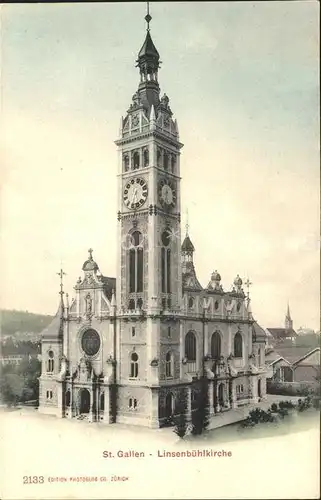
291, 388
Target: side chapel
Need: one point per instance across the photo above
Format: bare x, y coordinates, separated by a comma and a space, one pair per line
124, 350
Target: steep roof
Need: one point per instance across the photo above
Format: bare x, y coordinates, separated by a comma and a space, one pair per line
278, 333
258, 331
54, 330
109, 286
292, 353
148, 48
187, 245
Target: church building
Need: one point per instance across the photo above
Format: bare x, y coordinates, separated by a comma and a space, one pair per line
125, 349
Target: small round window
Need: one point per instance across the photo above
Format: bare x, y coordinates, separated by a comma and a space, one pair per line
50, 354
90, 342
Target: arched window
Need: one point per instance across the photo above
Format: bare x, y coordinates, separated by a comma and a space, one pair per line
166, 161
173, 163
190, 346
51, 363
216, 345
102, 402
169, 365
146, 158
126, 162
238, 306
238, 345
159, 157
140, 303
166, 262
136, 263
216, 305
131, 305
136, 160
68, 398
191, 302
134, 365
259, 357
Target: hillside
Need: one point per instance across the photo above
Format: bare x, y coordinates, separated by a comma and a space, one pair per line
23, 323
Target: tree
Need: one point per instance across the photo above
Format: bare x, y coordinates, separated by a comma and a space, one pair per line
201, 417
180, 421
11, 388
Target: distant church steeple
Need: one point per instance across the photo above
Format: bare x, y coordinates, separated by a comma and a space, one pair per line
288, 320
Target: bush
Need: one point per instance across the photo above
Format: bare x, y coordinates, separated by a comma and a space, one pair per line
290, 388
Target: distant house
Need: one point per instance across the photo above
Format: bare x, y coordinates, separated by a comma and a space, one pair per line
307, 368
279, 335
13, 351
293, 364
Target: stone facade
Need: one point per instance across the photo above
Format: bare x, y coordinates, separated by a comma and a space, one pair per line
128, 352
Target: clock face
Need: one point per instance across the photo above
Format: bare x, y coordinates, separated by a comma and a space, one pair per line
135, 193
167, 193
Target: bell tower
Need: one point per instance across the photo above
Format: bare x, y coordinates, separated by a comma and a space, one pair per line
149, 273
149, 267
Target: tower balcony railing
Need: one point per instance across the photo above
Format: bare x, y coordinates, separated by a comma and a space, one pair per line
191, 366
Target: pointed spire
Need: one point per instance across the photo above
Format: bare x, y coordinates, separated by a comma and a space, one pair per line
187, 222
148, 57
288, 314
152, 118
113, 299
148, 17
249, 309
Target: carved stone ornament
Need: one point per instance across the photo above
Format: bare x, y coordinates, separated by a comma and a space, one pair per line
184, 361
154, 362
110, 360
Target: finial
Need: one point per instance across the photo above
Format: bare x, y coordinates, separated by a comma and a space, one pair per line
248, 283
61, 274
148, 17
187, 222
90, 251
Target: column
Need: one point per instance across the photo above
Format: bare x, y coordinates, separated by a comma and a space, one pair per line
71, 408
107, 402
210, 397
181, 347
217, 406
91, 392
206, 346
189, 405
226, 396
234, 402
154, 417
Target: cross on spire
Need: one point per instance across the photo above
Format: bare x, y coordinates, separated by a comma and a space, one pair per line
90, 251
248, 283
61, 274
148, 17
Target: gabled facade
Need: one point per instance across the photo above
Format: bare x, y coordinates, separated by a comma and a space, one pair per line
126, 351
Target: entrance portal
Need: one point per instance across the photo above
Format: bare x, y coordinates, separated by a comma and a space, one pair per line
169, 405
84, 401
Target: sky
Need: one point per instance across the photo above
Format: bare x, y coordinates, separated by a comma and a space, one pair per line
243, 84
